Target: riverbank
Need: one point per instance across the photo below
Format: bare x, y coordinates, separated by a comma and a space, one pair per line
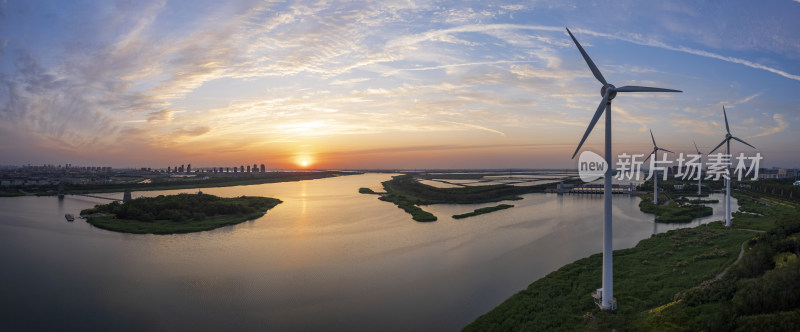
183, 213
213, 181
671, 280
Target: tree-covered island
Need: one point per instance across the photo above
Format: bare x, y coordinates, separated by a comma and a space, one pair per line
182, 213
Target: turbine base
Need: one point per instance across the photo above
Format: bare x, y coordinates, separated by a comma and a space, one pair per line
598, 300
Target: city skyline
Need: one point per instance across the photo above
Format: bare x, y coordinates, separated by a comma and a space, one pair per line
385, 85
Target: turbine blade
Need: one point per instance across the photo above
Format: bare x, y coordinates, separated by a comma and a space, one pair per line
695, 147
633, 88
748, 144
589, 62
648, 157
663, 149
720, 144
597, 114
726, 119
653, 138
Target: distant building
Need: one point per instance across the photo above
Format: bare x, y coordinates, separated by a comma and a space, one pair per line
263, 169
248, 168
241, 168
255, 168
189, 168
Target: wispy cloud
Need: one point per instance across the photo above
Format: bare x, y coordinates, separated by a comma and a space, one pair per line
635, 39
450, 66
780, 126
746, 99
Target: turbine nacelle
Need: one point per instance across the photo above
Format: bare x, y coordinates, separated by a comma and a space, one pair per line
610, 87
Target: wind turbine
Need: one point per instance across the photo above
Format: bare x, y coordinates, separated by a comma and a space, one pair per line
728, 138
655, 176
608, 91
699, 170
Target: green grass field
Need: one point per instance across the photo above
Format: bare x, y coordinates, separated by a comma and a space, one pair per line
667, 282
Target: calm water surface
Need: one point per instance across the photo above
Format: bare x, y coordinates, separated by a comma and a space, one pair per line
327, 258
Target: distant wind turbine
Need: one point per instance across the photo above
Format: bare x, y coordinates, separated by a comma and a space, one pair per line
728, 138
608, 91
699, 170
655, 175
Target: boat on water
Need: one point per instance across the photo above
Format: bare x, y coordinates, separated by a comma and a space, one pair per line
69, 217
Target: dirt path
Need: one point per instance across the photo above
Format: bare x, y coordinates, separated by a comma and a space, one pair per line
741, 253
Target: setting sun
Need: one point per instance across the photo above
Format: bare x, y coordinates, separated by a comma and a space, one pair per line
303, 160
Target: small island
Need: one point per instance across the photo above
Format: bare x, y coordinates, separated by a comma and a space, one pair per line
674, 211
182, 213
481, 211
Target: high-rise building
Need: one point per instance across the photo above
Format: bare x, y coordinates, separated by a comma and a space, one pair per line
189, 168
169, 169
241, 168
255, 168
248, 168
263, 169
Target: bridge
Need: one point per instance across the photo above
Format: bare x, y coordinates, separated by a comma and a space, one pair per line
594, 188
126, 196
95, 196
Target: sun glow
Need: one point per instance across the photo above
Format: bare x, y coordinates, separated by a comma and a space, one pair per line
303, 161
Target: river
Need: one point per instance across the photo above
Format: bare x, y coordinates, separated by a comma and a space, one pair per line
328, 258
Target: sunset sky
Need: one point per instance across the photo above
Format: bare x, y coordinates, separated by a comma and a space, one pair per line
391, 84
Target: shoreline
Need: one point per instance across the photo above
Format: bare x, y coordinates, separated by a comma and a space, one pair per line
173, 185
651, 278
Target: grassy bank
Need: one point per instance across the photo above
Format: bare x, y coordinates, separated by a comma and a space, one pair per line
669, 281
481, 211
183, 213
417, 213
366, 191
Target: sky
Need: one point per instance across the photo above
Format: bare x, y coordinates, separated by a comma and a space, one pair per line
389, 84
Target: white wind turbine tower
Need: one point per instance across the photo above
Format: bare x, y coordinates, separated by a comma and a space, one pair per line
728, 138
655, 175
608, 91
699, 170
